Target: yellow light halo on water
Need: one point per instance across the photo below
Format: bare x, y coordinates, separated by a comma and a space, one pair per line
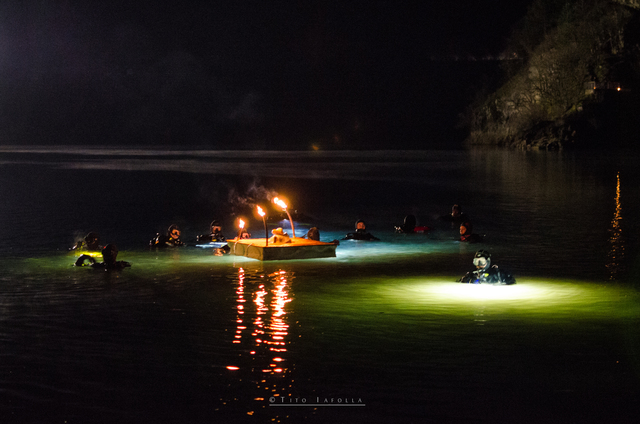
527, 293
92, 253
462, 291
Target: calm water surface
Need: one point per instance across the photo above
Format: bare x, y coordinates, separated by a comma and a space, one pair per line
381, 333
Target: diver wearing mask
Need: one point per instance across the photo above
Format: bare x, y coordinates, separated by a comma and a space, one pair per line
485, 273
171, 239
215, 236
91, 243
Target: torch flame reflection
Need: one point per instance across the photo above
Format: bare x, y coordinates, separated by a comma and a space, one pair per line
262, 328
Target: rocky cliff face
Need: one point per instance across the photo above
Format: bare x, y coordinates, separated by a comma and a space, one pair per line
575, 86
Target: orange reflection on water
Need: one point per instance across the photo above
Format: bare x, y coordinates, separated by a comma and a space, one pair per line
262, 328
616, 241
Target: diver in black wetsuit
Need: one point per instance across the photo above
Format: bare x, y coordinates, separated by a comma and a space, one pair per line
214, 236
109, 255
485, 273
456, 217
90, 242
313, 234
171, 239
409, 226
361, 233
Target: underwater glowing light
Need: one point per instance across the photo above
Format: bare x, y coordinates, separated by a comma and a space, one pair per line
92, 253
486, 291
528, 293
530, 296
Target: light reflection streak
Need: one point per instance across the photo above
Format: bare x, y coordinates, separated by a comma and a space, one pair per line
616, 250
262, 330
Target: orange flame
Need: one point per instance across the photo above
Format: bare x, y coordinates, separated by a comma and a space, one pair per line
280, 203
240, 223
260, 211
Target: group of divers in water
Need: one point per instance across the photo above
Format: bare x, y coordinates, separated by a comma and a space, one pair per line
484, 273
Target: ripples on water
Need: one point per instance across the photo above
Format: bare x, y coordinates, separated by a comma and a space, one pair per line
185, 336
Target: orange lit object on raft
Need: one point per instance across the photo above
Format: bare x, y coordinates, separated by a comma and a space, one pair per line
297, 248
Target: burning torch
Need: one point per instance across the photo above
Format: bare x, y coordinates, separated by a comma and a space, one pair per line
283, 205
241, 226
264, 221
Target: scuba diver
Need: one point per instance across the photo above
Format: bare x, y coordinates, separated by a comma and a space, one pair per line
485, 273
171, 239
109, 255
90, 242
361, 233
214, 236
456, 217
467, 234
313, 234
409, 226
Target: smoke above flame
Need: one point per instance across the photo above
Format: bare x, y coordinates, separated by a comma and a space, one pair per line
250, 198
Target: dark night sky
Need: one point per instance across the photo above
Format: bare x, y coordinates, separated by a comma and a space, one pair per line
258, 74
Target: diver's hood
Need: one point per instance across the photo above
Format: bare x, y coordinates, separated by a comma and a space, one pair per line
482, 259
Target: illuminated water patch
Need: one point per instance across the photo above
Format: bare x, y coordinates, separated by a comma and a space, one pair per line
529, 298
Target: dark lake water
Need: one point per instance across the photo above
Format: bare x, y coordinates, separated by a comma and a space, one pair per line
379, 334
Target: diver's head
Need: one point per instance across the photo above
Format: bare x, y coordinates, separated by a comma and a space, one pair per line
410, 222
466, 229
482, 260
313, 234
110, 253
215, 226
174, 232
456, 210
92, 241
360, 225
